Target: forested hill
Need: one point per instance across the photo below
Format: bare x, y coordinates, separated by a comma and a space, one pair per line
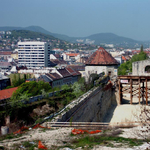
30, 34
95, 39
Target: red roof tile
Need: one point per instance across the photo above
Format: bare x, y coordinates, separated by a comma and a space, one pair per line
7, 93
101, 57
5, 53
54, 76
123, 58
77, 67
5, 64
64, 72
72, 54
73, 72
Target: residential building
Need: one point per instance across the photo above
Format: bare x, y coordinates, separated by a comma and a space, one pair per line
119, 59
71, 56
56, 62
5, 66
56, 80
5, 55
14, 55
67, 77
34, 54
59, 77
76, 75
78, 68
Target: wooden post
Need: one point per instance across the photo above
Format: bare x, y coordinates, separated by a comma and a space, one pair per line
139, 91
120, 93
143, 92
146, 94
130, 91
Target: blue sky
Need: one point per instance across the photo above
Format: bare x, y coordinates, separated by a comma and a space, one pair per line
79, 18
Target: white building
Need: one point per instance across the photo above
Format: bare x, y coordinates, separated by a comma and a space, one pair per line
70, 56
101, 61
34, 54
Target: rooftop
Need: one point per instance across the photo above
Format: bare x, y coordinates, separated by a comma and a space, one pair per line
72, 54
72, 71
7, 93
101, 57
5, 53
64, 72
53, 76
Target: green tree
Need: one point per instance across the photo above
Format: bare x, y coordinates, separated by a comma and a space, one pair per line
31, 88
126, 67
77, 89
65, 88
141, 48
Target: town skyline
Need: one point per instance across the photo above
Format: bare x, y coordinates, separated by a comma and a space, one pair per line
80, 18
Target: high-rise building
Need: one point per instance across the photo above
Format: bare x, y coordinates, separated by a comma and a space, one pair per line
34, 54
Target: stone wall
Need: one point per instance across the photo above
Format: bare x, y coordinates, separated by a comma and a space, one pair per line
138, 68
92, 108
99, 69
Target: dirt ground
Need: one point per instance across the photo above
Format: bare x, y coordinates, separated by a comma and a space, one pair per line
58, 136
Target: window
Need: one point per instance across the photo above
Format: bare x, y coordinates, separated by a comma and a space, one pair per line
147, 69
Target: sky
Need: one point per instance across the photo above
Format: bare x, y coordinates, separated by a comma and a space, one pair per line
80, 18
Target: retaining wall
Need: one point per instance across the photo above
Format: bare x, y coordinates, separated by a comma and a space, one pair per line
92, 108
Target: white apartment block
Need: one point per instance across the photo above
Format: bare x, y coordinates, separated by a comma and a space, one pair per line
34, 54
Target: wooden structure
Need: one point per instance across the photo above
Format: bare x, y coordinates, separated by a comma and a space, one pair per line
136, 86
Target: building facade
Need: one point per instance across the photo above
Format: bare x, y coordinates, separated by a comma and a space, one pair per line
34, 54
101, 62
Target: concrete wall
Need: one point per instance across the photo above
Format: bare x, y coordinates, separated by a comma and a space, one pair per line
92, 109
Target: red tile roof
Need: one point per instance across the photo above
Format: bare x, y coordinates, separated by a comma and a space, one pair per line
7, 93
77, 67
5, 53
57, 61
72, 54
53, 76
5, 64
64, 72
123, 58
101, 57
73, 72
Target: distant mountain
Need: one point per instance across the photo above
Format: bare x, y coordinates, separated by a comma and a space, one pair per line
30, 34
38, 29
108, 38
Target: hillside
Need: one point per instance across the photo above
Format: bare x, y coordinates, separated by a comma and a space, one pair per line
30, 34
110, 38
36, 29
98, 38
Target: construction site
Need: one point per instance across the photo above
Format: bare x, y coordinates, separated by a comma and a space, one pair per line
113, 108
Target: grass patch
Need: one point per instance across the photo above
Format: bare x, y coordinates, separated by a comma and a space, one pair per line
29, 145
90, 141
26, 145
9, 136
